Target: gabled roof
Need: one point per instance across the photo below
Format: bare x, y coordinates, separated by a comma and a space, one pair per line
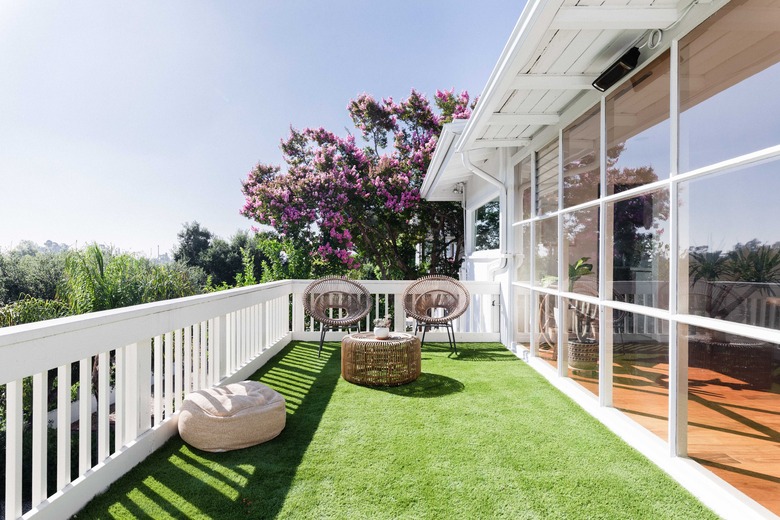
556, 50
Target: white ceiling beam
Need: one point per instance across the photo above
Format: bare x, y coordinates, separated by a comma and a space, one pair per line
501, 143
600, 18
553, 82
523, 119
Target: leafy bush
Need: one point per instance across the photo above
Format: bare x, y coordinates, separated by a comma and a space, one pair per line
30, 309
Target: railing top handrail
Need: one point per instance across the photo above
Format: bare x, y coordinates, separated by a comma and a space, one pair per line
32, 348
26, 332
398, 286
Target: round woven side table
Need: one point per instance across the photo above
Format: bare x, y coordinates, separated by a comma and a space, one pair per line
366, 360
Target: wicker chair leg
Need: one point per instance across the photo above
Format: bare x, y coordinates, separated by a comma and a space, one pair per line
425, 329
451, 337
322, 338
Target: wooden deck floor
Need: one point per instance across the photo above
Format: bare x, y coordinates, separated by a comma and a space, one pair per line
733, 428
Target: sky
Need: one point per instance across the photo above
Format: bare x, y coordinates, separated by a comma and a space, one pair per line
121, 121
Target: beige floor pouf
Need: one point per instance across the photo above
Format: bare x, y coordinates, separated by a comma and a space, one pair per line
231, 417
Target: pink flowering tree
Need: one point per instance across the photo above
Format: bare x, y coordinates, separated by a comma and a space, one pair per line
357, 205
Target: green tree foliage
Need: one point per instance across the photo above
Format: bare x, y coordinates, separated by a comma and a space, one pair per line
220, 259
487, 226
193, 242
26, 270
285, 261
97, 280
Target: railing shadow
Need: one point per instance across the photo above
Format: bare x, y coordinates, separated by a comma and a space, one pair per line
472, 352
184, 482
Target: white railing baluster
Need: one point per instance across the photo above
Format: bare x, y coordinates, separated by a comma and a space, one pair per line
135, 400
158, 380
85, 415
196, 346
187, 368
119, 401
210, 378
104, 406
168, 374
39, 444
179, 369
13, 448
63, 426
204, 341
263, 327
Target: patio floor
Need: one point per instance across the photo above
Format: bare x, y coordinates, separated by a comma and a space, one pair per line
478, 435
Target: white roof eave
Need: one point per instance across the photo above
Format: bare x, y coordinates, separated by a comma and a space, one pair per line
442, 156
526, 35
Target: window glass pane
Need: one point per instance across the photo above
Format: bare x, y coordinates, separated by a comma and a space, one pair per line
547, 179
522, 312
730, 245
640, 380
581, 233
547, 314
638, 129
486, 226
546, 252
640, 244
734, 408
523, 171
583, 334
581, 165
729, 84
523, 246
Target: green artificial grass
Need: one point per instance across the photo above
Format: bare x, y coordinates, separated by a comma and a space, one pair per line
478, 435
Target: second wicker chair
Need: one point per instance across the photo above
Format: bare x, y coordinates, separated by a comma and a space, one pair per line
336, 302
425, 296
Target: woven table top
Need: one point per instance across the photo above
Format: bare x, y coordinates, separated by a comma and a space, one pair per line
362, 338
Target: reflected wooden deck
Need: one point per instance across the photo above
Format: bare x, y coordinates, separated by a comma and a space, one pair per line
733, 429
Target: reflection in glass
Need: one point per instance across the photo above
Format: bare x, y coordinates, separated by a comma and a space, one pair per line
523, 316
640, 240
523, 172
546, 252
640, 380
730, 246
638, 129
734, 408
737, 109
486, 226
547, 310
547, 179
581, 233
583, 343
581, 164
523, 244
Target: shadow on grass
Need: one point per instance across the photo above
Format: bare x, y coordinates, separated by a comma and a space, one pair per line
183, 482
427, 385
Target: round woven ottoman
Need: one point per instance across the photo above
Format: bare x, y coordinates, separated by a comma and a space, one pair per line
368, 360
231, 417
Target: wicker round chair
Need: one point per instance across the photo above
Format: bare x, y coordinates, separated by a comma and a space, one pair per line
336, 302
428, 294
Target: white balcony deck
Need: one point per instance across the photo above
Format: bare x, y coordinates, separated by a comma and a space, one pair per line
160, 352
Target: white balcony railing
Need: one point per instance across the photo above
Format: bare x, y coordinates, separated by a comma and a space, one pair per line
145, 359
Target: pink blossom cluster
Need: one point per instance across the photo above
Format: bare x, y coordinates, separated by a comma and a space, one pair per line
335, 193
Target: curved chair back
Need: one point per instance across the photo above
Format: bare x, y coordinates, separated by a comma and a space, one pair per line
428, 294
350, 301
424, 296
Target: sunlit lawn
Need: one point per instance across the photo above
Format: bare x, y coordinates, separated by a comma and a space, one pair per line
478, 435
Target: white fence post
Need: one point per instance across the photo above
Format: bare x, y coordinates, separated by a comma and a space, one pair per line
39, 431
63, 426
13, 449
